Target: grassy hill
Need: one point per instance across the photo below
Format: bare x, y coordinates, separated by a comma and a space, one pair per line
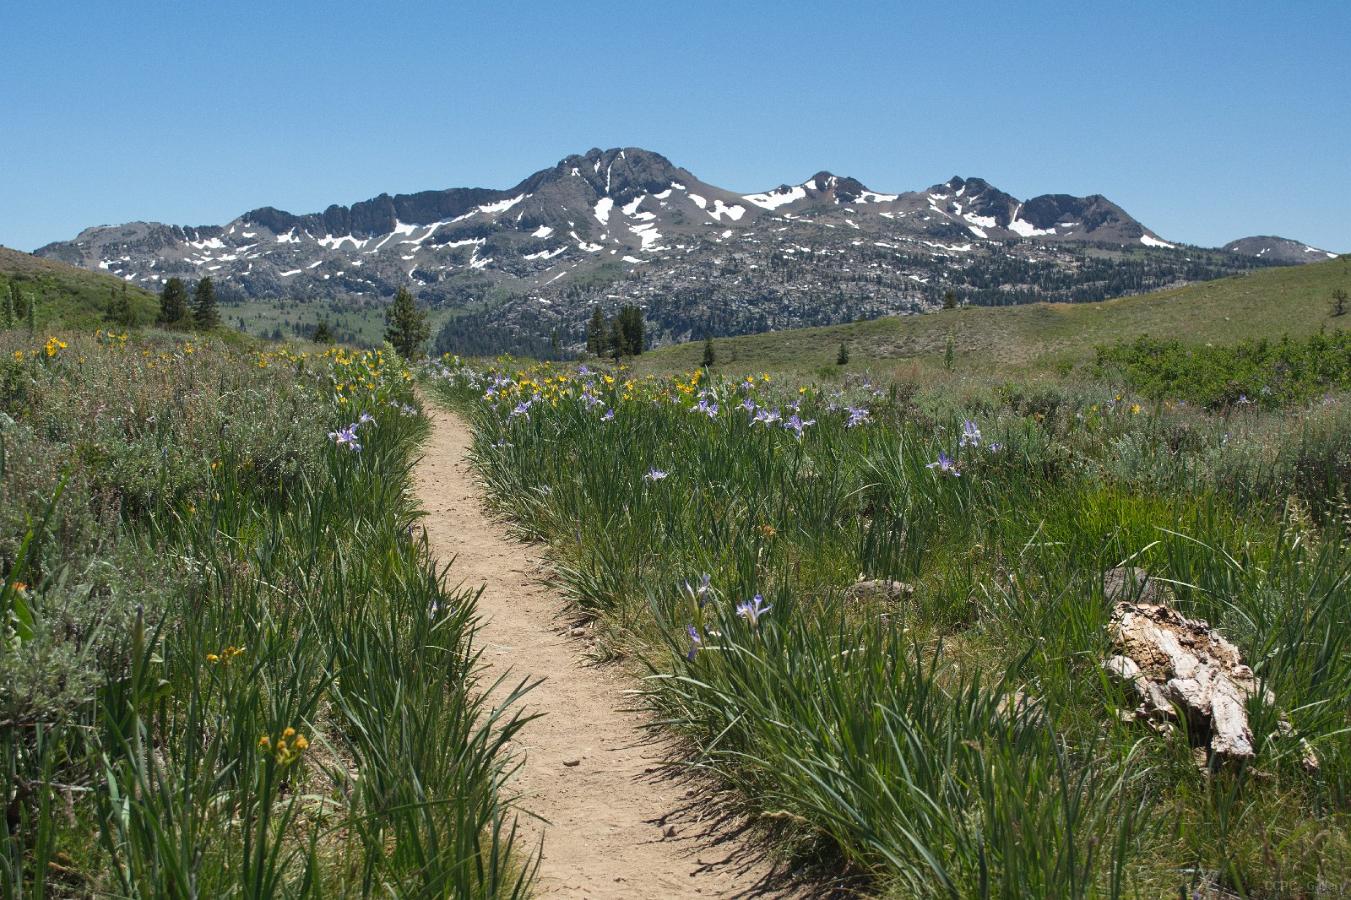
70, 297
1043, 337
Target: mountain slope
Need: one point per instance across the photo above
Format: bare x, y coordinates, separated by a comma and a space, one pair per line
69, 297
1278, 249
628, 224
1294, 300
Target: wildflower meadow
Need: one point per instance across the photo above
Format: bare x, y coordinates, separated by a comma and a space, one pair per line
230, 666
879, 613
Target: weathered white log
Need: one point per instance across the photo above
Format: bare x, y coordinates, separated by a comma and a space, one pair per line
1173, 662
878, 589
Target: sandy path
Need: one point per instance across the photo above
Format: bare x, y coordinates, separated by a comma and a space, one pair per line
615, 827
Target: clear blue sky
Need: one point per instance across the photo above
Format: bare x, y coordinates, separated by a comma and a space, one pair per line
1207, 121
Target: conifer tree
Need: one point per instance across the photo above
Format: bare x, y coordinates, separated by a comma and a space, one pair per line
204, 312
20, 305
119, 308
322, 333
710, 357
842, 357
949, 299
173, 303
406, 325
629, 325
596, 333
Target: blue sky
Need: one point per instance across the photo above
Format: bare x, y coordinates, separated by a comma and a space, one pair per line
1207, 121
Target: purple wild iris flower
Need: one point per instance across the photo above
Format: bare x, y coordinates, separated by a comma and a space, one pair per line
708, 409
797, 425
945, 465
522, 409
753, 609
609, 416
583, 371
591, 401
655, 474
748, 405
695, 642
970, 434
346, 437
366, 419
701, 593
766, 417
994, 447
857, 416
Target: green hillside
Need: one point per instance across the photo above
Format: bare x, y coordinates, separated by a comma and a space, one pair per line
69, 297
1295, 300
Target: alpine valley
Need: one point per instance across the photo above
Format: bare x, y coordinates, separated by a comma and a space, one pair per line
520, 269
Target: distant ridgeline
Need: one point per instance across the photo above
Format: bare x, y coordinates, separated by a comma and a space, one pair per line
521, 268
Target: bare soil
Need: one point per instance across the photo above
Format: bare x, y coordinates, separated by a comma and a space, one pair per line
615, 823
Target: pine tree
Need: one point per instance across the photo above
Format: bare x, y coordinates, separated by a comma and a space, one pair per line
173, 303
842, 357
1339, 302
406, 325
616, 344
709, 356
322, 333
20, 304
204, 312
119, 309
630, 328
596, 336
949, 299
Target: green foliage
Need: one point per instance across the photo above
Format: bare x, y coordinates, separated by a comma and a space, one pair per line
120, 312
173, 303
406, 325
322, 333
204, 313
949, 299
957, 738
67, 297
231, 666
629, 339
1255, 371
842, 358
710, 356
949, 352
597, 336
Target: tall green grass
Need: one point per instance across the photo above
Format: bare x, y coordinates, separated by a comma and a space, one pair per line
958, 738
239, 672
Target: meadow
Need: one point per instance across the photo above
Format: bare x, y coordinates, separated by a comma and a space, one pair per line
230, 665
879, 611
1036, 338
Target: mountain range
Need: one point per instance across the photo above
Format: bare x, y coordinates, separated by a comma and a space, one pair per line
627, 225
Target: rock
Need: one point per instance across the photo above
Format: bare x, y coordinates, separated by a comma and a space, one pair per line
880, 589
1022, 709
1132, 583
571, 763
669, 831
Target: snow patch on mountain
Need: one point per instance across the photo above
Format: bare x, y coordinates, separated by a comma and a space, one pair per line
778, 197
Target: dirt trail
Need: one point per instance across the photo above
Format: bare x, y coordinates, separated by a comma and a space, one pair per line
616, 828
